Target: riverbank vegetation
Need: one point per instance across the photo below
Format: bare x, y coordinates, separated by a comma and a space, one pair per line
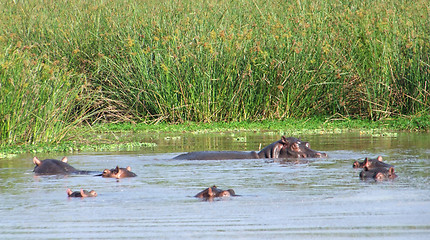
67, 65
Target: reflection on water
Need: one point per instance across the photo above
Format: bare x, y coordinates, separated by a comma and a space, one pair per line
323, 198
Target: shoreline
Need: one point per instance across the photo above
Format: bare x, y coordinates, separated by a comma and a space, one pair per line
94, 138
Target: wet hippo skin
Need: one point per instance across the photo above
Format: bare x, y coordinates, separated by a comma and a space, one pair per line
56, 167
284, 148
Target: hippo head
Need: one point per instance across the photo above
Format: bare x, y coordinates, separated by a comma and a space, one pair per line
298, 149
213, 192
82, 193
52, 166
226, 193
384, 174
91, 193
38, 163
118, 172
371, 163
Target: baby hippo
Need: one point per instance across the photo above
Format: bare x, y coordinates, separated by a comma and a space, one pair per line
212, 192
118, 173
371, 163
82, 193
378, 174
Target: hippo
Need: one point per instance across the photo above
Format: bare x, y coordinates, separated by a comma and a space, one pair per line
285, 148
82, 193
298, 149
118, 173
378, 174
371, 163
212, 192
56, 167
217, 155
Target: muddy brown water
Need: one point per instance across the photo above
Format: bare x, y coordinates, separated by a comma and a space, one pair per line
322, 199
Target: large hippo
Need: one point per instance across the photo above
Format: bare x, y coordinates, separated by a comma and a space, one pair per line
212, 192
118, 173
56, 167
81, 194
285, 148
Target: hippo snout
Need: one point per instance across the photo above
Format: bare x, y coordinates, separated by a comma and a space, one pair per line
321, 155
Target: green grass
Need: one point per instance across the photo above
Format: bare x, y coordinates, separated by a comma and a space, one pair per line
64, 63
290, 126
70, 147
40, 102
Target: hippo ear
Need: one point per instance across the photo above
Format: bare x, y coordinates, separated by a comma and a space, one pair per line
37, 161
210, 193
379, 158
117, 168
69, 192
128, 168
64, 159
391, 170
366, 163
284, 139
82, 192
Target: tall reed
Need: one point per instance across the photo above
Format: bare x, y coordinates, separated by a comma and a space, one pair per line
225, 60
39, 101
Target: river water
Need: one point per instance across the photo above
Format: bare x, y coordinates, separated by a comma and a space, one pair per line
322, 199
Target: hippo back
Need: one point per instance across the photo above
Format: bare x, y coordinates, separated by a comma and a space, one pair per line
217, 155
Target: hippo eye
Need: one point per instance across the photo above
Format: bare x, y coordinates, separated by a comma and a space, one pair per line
307, 145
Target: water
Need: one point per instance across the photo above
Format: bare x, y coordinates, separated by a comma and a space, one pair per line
322, 199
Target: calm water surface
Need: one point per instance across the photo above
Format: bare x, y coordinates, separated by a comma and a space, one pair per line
322, 199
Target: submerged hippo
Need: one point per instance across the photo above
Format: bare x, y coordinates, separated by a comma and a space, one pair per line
54, 167
213, 192
378, 174
371, 163
285, 148
375, 169
82, 193
118, 173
